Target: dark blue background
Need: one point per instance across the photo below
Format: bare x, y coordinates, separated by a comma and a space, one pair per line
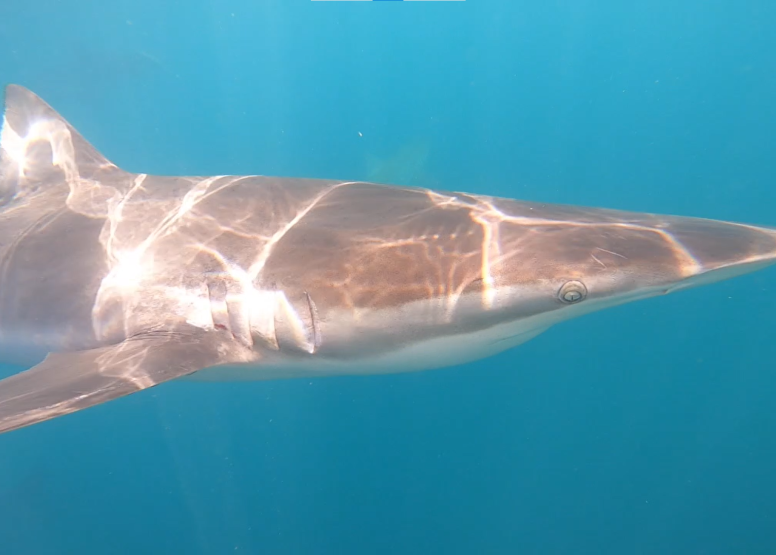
649, 428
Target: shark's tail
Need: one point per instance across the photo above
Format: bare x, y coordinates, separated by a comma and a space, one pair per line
42, 155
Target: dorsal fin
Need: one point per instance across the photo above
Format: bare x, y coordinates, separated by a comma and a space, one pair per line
40, 152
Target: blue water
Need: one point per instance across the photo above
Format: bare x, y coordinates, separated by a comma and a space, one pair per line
644, 429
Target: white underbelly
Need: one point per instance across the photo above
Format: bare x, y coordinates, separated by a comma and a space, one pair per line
438, 352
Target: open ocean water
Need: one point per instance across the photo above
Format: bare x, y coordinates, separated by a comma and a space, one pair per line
645, 429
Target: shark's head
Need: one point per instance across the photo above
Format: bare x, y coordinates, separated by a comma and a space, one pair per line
410, 278
556, 262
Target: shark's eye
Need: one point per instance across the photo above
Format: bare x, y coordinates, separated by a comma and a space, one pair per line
572, 292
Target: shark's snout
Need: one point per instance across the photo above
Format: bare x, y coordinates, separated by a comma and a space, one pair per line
568, 266
720, 250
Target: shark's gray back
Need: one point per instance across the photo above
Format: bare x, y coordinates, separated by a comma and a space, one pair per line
91, 254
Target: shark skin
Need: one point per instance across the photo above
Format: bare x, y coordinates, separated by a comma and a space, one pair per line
112, 282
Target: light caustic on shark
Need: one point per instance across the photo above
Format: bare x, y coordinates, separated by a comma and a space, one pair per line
112, 282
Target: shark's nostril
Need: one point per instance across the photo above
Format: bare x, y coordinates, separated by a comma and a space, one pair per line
572, 292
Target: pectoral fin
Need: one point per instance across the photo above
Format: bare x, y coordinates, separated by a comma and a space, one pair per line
69, 382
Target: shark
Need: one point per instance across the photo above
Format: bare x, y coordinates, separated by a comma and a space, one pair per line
112, 282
